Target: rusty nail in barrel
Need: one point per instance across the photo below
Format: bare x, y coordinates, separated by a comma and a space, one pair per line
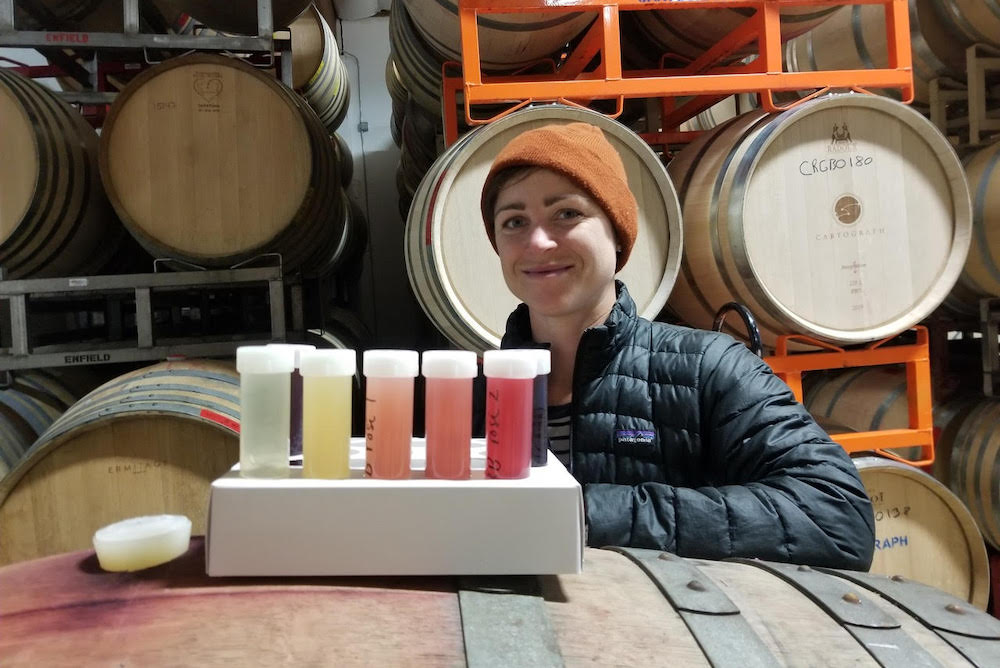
898, 578
955, 608
804, 569
696, 586
851, 598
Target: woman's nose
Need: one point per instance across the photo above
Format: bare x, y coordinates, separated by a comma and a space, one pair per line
540, 238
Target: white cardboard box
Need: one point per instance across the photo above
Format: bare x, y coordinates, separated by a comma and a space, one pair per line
359, 526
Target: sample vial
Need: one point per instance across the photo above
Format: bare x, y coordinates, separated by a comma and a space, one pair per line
327, 377
389, 378
448, 411
540, 409
295, 416
510, 376
265, 405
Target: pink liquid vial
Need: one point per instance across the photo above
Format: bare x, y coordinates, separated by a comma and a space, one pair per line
510, 376
448, 411
389, 378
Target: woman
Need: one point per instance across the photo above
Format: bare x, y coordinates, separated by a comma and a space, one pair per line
682, 439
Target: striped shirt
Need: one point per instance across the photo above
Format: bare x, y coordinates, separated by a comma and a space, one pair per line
559, 432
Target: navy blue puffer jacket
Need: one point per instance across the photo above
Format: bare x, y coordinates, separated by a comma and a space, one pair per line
685, 441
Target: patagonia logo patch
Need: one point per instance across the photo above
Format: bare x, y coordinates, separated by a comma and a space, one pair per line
635, 436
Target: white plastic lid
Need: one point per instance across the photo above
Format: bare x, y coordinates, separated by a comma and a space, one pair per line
449, 364
390, 363
510, 364
264, 359
142, 542
328, 362
296, 348
544, 358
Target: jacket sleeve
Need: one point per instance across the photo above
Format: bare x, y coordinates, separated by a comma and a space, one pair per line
779, 488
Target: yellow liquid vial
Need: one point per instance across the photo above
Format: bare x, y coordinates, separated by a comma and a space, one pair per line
326, 426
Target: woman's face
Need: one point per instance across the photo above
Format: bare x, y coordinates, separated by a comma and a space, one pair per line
556, 245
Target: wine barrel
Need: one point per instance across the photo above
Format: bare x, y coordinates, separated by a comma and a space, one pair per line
317, 70
744, 613
418, 67
238, 16
63, 10
720, 112
417, 151
453, 268
351, 242
54, 217
29, 403
688, 33
846, 218
971, 22
924, 532
981, 275
975, 474
855, 38
148, 442
874, 398
210, 161
345, 159
414, 66
863, 399
506, 41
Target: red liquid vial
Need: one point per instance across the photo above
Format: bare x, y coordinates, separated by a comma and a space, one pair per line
510, 376
389, 378
448, 411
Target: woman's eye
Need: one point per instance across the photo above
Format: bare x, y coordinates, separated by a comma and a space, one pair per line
512, 223
568, 214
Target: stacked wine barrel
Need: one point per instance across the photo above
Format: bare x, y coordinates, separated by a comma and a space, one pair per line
208, 160
846, 218
425, 35
54, 217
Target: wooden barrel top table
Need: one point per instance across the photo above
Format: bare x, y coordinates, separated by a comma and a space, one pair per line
63, 610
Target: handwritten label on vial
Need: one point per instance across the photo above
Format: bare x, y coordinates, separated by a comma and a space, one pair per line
493, 465
369, 443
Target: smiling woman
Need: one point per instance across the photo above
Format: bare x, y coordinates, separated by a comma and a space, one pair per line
683, 440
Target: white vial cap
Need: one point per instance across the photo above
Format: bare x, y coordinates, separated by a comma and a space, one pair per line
264, 359
510, 364
449, 364
544, 358
391, 363
328, 362
296, 348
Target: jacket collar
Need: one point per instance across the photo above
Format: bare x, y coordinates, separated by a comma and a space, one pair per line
600, 343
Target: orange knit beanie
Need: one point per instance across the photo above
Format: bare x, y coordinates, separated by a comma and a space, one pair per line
581, 153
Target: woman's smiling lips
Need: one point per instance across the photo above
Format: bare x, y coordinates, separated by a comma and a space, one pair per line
546, 272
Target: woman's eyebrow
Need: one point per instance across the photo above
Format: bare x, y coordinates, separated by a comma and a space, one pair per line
517, 206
